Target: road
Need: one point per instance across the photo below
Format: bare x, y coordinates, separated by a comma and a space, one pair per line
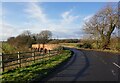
88, 66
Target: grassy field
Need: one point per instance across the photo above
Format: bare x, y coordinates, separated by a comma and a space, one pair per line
69, 44
74, 45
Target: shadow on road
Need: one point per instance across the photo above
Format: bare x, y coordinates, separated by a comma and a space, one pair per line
62, 68
67, 65
82, 71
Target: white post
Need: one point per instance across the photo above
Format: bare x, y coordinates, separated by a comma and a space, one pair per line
33, 55
19, 61
2, 63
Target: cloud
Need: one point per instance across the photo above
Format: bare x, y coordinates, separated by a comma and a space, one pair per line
36, 12
38, 21
1, 13
0, 9
7, 31
87, 18
5, 28
68, 17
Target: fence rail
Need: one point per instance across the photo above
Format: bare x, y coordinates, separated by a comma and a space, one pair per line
22, 58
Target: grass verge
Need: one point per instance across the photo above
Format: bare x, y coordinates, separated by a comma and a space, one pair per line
100, 50
37, 70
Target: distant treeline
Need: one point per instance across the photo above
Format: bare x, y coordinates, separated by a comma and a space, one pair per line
54, 41
24, 41
15, 44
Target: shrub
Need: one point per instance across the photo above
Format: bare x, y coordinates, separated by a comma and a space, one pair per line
80, 45
118, 47
7, 48
85, 45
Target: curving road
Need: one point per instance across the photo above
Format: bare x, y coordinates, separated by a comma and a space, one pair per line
88, 66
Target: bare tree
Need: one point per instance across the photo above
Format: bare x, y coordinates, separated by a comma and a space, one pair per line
24, 40
26, 33
102, 24
44, 36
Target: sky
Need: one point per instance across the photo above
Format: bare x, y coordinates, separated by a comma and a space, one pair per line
63, 19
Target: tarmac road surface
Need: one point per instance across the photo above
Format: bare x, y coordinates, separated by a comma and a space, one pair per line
88, 66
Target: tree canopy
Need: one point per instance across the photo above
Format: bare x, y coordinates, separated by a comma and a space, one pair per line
102, 24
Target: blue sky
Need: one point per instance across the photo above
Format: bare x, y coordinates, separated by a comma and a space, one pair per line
63, 19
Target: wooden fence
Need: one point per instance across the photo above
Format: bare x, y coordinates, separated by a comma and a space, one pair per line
16, 60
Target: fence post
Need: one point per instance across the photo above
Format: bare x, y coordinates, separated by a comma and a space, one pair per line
49, 54
33, 55
19, 61
2, 63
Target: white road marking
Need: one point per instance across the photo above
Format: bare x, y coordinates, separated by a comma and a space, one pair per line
116, 65
113, 72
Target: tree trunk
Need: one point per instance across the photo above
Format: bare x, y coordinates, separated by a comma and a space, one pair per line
108, 36
106, 43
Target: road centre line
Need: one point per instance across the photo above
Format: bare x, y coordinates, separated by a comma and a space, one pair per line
116, 64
